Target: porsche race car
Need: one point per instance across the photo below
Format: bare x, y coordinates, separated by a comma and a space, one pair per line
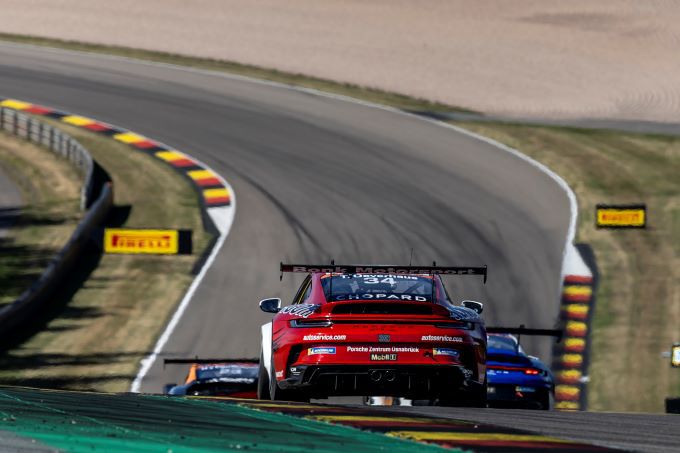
374, 330
216, 377
516, 379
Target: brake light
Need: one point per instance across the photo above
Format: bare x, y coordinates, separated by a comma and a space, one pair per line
310, 323
527, 371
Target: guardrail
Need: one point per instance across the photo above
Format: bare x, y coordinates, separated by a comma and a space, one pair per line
96, 197
31, 129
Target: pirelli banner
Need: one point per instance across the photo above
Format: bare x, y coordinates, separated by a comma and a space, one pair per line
675, 355
147, 241
621, 216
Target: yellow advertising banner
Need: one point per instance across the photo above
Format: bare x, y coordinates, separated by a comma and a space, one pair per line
621, 216
675, 355
143, 241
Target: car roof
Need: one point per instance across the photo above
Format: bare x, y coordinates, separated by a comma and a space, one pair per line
514, 348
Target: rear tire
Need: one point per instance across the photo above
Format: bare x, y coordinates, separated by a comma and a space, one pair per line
263, 382
547, 401
277, 394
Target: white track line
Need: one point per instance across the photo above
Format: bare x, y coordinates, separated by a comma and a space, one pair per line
223, 219
148, 362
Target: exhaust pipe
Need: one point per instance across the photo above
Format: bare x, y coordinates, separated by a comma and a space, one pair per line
375, 375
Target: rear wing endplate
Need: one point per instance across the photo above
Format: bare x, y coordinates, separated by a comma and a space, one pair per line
382, 269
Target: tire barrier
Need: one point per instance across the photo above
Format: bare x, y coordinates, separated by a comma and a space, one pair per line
96, 197
571, 357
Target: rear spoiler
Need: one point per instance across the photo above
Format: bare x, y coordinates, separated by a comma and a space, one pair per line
382, 269
521, 330
196, 360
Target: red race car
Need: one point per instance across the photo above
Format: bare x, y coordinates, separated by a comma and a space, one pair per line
365, 330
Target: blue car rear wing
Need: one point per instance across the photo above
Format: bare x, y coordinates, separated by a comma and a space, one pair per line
521, 330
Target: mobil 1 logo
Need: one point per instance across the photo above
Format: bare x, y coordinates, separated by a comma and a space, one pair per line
383, 357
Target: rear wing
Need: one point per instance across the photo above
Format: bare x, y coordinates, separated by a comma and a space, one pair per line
196, 360
382, 269
521, 330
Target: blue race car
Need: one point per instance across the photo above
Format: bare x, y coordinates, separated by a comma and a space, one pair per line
516, 379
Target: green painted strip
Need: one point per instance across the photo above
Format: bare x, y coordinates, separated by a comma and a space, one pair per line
79, 422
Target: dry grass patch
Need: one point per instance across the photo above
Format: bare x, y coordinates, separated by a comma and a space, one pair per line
98, 338
638, 301
50, 187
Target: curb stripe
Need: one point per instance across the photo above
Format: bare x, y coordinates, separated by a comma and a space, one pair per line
584, 279
567, 406
14, 104
204, 177
570, 359
176, 159
576, 311
97, 127
218, 195
577, 329
572, 290
574, 344
76, 120
128, 137
568, 376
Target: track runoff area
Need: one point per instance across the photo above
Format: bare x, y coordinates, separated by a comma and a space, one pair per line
269, 126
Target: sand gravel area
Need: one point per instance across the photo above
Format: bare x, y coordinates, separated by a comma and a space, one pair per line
550, 59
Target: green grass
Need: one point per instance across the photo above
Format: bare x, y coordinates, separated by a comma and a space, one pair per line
97, 337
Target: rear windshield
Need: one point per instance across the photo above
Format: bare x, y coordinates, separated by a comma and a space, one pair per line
503, 343
377, 287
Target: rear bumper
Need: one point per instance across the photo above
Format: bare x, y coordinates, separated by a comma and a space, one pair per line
517, 395
408, 381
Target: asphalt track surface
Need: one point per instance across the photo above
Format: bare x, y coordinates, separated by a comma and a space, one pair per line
319, 178
633, 432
